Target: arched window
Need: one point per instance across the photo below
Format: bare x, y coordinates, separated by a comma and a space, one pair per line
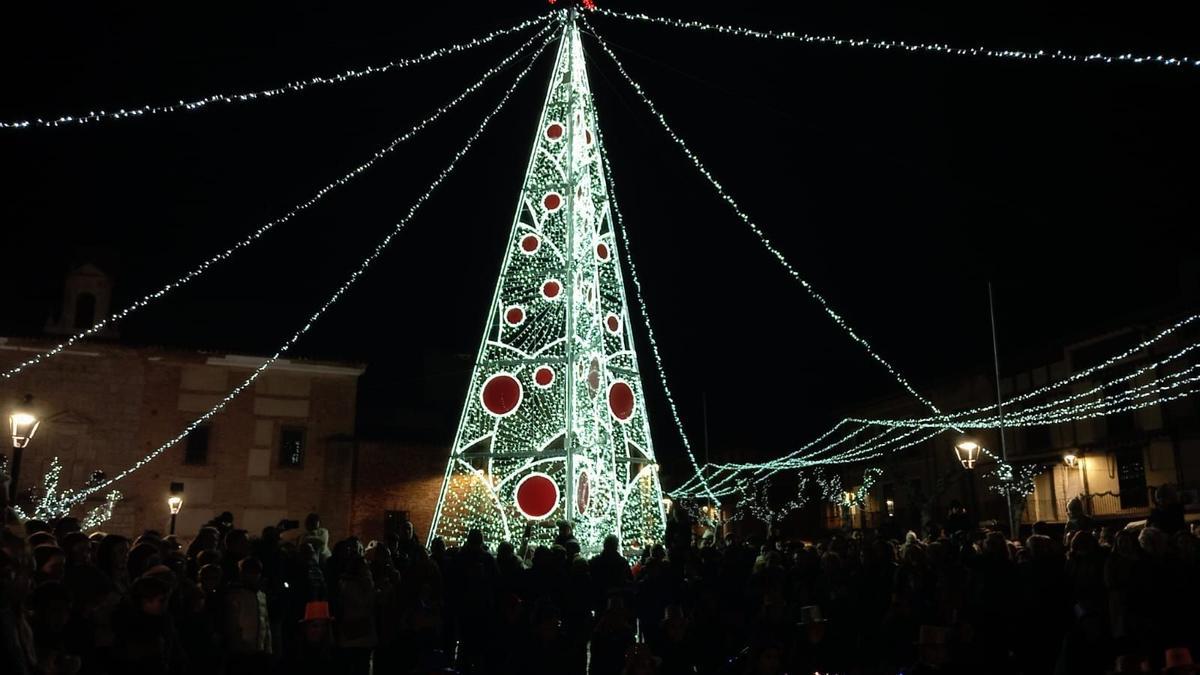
85, 310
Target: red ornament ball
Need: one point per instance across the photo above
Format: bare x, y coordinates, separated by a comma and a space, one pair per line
554, 131
514, 316
551, 289
552, 201
621, 400
501, 394
530, 243
613, 323
543, 376
602, 251
537, 496
583, 492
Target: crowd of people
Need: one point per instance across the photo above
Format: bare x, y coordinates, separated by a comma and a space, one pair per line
959, 599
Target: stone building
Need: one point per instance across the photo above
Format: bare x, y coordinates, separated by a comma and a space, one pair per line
282, 449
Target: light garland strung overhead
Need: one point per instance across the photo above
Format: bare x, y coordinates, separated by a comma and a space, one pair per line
1113, 360
258, 233
762, 237
99, 515
902, 45
337, 294
1161, 388
291, 87
622, 243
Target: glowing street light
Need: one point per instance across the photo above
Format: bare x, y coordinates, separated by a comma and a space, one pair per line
23, 424
175, 503
967, 449
1070, 460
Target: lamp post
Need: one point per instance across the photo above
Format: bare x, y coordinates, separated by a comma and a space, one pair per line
968, 450
175, 502
23, 424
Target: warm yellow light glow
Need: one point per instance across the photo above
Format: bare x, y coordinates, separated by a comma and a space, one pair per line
967, 449
1071, 460
175, 503
23, 426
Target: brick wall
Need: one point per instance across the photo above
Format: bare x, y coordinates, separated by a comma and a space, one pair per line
114, 404
396, 476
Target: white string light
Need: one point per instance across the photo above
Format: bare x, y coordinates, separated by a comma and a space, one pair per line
291, 87
97, 516
623, 244
1053, 410
337, 294
257, 234
762, 237
901, 45
1156, 392
1081, 375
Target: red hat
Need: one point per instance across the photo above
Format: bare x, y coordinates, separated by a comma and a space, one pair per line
317, 610
1179, 660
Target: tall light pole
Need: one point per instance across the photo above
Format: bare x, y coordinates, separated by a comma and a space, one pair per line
1012, 528
23, 424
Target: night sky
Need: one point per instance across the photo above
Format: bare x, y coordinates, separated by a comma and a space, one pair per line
897, 183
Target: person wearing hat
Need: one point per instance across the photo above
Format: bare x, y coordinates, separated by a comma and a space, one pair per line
1178, 661
313, 652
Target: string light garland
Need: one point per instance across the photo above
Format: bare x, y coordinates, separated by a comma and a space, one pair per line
291, 87
905, 46
622, 242
554, 424
1153, 393
51, 504
762, 237
258, 233
734, 475
1113, 360
1017, 482
337, 294
101, 514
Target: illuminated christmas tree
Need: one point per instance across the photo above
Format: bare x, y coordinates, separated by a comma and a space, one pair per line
554, 425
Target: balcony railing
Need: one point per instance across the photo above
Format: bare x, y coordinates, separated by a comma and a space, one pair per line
1100, 504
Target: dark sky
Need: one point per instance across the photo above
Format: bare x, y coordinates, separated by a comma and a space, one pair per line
898, 183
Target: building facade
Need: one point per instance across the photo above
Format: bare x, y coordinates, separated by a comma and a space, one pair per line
280, 450
1113, 463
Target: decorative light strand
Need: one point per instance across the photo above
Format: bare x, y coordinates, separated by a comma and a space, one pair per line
1053, 410
762, 237
100, 514
337, 294
1075, 377
1149, 394
291, 87
622, 243
255, 235
901, 45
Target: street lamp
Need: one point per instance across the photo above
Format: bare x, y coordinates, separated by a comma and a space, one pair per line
967, 449
175, 502
1070, 460
23, 424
